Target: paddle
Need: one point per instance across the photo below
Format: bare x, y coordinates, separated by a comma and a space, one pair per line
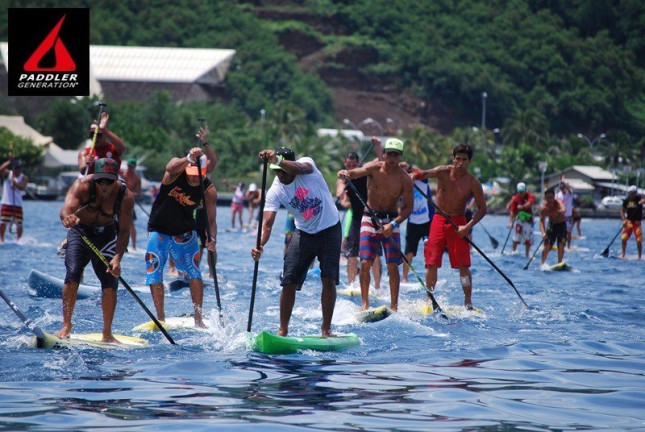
438, 210
96, 132
13, 226
257, 246
130, 290
605, 253
211, 256
493, 241
507, 236
142, 209
534, 253
435, 305
40, 335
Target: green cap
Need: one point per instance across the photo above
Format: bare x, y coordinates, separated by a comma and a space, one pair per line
132, 162
393, 144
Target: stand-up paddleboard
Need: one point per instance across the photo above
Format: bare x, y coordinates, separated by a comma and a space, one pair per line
561, 266
355, 292
172, 323
374, 314
452, 311
93, 340
269, 343
51, 287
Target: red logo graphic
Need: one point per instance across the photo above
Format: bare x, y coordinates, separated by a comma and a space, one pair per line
64, 61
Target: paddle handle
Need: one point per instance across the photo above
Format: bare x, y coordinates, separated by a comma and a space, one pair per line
96, 132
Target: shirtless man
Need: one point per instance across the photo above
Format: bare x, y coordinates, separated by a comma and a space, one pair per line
108, 145
91, 208
133, 182
386, 183
557, 230
455, 187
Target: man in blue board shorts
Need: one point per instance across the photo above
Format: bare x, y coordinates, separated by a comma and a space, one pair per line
301, 188
91, 209
172, 226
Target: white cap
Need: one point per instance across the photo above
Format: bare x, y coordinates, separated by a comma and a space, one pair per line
253, 187
521, 187
632, 188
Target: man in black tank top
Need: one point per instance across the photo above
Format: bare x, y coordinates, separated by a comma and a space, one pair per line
172, 226
90, 211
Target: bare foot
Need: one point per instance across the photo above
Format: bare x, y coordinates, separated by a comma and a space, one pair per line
394, 307
283, 332
365, 306
327, 333
469, 306
404, 280
111, 339
64, 332
200, 324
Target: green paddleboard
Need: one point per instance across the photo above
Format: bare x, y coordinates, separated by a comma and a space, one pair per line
269, 343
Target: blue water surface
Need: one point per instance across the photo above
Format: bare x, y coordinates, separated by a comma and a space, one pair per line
574, 360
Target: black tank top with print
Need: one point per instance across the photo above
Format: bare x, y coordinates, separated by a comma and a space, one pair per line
172, 211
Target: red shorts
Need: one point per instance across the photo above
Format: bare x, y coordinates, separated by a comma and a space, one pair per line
632, 227
443, 235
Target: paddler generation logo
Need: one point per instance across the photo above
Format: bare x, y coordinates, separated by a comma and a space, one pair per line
49, 52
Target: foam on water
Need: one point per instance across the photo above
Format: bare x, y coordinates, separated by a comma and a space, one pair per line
572, 360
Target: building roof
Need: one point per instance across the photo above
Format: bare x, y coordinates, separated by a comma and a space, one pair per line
350, 134
594, 172
152, 64
18, 127
56, 157
576, 184
156, 64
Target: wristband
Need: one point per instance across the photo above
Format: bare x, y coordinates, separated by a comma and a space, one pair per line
418, 172
188, 158
394, 224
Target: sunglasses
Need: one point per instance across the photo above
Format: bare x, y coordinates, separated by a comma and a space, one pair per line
105, 182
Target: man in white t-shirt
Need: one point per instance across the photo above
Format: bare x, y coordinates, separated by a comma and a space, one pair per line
14, 186
565, 194
301, 188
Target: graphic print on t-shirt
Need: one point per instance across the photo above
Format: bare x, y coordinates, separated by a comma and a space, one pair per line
308, 207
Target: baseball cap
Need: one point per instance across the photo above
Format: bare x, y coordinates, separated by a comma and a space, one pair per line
106, 168
253, 187
632, 188
393, 144
521, 187
17, 164
286, 153
192, 170
132, 162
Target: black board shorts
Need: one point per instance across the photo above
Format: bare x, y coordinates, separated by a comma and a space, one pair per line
304, 248
556, 232
413, 234
79, 254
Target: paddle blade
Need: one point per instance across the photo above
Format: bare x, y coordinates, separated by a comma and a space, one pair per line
605, 253
494, 243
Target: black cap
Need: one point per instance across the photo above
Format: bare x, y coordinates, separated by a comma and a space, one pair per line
286, 153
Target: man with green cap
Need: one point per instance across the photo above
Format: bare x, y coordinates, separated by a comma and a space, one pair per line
387, 182
133, 182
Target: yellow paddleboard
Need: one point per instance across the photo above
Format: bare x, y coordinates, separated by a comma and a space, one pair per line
452, 311
374, 314
92, 340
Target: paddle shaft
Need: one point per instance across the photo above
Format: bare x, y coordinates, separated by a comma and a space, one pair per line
605, 253
142, 209
508, 235
441, 212
534, 253
493, 241
96, 132
435, 304
40, 335
130, 290
257, 246
211, 256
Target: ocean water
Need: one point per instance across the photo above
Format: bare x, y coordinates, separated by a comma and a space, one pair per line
573, 360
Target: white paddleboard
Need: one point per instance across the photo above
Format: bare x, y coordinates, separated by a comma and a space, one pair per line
172, 323
92, 340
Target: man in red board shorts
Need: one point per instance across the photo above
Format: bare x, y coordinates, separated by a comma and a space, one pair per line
454, 189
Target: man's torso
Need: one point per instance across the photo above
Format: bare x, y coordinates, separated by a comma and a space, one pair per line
384, 189
453, 192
